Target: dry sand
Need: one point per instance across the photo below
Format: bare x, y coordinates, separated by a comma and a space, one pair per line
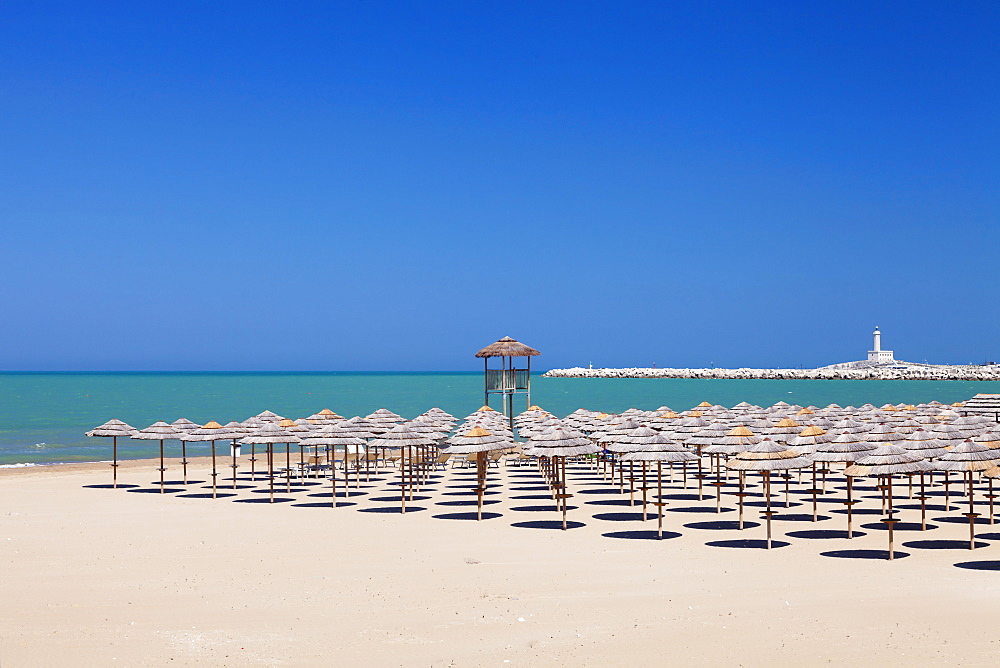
93, 576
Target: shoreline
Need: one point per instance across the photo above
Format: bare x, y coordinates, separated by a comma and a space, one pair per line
912, 372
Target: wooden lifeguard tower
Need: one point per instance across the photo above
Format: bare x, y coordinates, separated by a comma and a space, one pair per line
507, 380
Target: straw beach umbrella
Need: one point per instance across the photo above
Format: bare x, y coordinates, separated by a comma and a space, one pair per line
884, 462
659, 449
158, 431
268, 434
402, 438
113, 429
552, 447
968, 457
183, 426
333, 434
212, 431
477, 441
238, 431
764, 458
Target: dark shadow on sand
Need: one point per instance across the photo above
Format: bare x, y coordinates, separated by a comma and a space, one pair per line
941, 544
540, 509
466, 516
900, 526
277, 499
722, 525
747, 543
547, 524
624, 517
120, 486
641, 535
392, 509
877, 555
798, 517
823, 534
469, 502
979, 565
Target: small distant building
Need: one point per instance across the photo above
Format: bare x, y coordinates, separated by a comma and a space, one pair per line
878, 355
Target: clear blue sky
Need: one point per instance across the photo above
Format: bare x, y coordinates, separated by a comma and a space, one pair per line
393, 185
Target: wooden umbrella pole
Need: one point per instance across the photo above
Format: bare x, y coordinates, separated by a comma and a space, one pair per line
235, 465
480, 483
402, 479
850, 505
990, 495
333, 487
162, 468
814, 491
767, 494
699, 475
644, 491
972, 514
742, 480
114, 462
659, 500
184, 460
561, 463
270, 468
631, 483
214, 472
253, 460
288, 468
923, 504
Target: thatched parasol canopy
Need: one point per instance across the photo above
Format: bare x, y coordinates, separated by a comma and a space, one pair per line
887, 460
560, 442
475, 440
113, 428
507, 347
768, 456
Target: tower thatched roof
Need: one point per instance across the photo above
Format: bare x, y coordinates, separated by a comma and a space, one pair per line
507, 347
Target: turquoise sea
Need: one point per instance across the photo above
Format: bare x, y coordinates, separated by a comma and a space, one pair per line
43, 416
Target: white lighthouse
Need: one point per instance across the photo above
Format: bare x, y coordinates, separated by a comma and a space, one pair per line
878, 355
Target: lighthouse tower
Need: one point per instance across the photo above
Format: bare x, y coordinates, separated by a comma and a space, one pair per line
878, 355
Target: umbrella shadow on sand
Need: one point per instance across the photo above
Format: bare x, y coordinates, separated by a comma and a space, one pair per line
610, 502
877, 555
941, 544
547, 524
823, 534
393, 509
722, 525
466, 502
118, 486
747, 543
340, 504
466, 516
277, 499
155, 490
624, 517
207, 495
641, 535
979, 565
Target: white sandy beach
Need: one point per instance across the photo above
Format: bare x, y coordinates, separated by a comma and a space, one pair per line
102, 577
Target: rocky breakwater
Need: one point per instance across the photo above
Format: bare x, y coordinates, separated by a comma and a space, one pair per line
836, 372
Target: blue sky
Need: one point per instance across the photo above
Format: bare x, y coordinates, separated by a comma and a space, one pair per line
393, 185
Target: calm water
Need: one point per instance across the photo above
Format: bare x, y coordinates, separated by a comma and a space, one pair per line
43, 416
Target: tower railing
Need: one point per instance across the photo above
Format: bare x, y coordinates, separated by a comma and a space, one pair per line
500, 380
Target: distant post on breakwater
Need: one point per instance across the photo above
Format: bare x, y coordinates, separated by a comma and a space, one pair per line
507, 380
